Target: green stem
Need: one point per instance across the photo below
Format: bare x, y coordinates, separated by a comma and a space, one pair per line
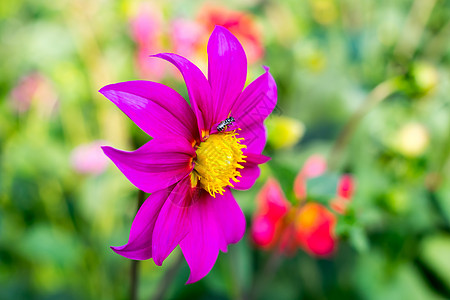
236, 283
273, 263
266, 274
377, 95
443, 160
414, 28
134, 270
169, 276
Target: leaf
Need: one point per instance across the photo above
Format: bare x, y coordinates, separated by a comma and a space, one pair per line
322, 188
358, 239
434, 251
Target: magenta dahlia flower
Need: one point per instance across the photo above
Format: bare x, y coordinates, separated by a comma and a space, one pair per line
197, 154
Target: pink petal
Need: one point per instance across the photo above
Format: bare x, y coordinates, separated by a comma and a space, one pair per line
155, 108
255, 137
201, 246
314, 166
229, 216
256, 158
346, 186
300, 186
174, 219
256, 102
263, 231
227, 70
198, 89
89, 158
271, 201
139, 244
321, 241
250, 172
156, 165
315, 229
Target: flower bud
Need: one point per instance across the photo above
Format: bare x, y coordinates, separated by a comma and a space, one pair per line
345, 189
412, 139
425, 77
284, 132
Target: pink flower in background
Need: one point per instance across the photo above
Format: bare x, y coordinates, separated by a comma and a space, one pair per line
189, 37
272, 206
277, 223
197, 154
34, 87
314, 226
345, 190
241, 24
146, 30
307, 225
89, 158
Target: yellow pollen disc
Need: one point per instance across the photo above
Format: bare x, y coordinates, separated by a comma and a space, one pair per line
218, 162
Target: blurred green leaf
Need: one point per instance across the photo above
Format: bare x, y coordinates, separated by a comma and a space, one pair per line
358, 239
435, 253
322, 188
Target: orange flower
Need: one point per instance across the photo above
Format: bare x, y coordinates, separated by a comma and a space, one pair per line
241, 24
189, 38
306, 225
315, 229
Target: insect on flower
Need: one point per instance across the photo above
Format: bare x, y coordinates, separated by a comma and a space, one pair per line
190, 165
225, 123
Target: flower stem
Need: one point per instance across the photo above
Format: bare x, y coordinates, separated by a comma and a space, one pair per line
377, 95
266, 274
435, 177
414, 28
134, 269
169, 276
236, 283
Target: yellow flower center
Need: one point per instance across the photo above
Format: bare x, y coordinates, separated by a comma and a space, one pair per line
218, 162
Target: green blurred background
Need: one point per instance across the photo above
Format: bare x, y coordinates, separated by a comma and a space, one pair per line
378, 69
